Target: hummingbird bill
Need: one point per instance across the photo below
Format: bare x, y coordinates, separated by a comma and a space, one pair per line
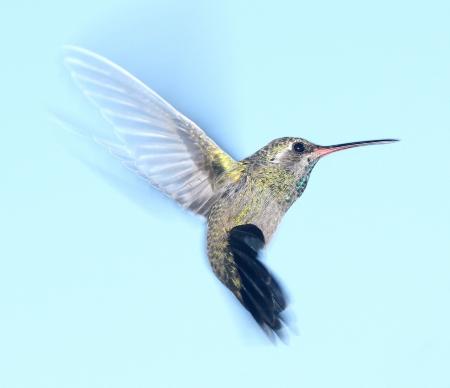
242, 201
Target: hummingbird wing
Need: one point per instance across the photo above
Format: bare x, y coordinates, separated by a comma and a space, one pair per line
153, 139
259, 292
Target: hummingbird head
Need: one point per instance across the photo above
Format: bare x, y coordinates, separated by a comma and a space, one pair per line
300, 156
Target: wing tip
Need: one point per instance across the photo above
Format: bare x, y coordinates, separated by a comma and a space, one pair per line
74, 56
67, 48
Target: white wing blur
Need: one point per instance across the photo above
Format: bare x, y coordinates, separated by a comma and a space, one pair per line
153, 138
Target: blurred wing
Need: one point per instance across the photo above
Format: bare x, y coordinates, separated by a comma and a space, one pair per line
153, 138
260, 293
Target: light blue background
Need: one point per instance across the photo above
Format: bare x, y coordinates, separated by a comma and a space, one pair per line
96, 291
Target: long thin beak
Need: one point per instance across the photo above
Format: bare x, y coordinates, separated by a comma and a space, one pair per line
325, 150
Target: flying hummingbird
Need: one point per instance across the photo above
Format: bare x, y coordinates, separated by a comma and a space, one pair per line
242, 201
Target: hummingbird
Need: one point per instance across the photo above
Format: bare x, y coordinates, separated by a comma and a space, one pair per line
242, 202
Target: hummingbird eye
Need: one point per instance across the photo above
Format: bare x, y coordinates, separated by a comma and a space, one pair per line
298, 147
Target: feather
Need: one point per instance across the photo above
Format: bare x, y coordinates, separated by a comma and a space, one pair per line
153, 139
261, 294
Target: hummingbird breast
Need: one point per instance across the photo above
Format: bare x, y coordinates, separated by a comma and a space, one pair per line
260, 197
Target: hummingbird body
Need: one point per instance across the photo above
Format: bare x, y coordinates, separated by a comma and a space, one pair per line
242, 201
261, 190
266, 187
261, 197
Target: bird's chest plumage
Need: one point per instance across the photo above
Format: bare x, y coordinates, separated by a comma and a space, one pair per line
260, 197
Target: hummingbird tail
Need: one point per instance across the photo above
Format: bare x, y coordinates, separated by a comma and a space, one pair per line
260, 293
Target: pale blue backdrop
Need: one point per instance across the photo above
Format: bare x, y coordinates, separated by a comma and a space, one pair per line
105, 285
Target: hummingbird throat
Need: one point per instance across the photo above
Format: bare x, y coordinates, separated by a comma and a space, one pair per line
300, 185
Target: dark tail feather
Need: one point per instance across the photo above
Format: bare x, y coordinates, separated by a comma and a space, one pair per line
261, 293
